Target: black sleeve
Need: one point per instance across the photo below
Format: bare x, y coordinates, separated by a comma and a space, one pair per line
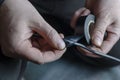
1, 1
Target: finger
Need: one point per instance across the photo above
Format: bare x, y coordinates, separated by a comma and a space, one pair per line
99, 30
50, 35
113, 36
111, 40
33, 54
61, 35
88, 53
53, 55
78, 13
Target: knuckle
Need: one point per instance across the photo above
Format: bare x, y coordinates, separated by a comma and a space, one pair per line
116, 35
87, 11
102, 23
104, 17
43, 23
51, 33
105, 51
77, 13
99, 32
116, 32
105, 22
104, 14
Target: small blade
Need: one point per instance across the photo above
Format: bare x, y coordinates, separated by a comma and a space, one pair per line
95, 52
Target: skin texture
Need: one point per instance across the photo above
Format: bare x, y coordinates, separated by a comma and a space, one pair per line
107, 20
18, 24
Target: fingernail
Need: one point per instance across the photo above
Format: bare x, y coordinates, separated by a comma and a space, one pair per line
97, 41
61, 44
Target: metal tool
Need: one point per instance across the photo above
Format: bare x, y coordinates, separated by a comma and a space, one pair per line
84, 23
73, 41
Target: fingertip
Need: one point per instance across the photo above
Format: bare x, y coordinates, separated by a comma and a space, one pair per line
61, 44
61, 35
97, 41
85, 12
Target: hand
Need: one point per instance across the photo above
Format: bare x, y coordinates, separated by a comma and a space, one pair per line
107, 14
107, 20
19, 20
81, 12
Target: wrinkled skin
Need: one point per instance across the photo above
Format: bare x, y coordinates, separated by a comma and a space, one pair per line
18, 24
107, 20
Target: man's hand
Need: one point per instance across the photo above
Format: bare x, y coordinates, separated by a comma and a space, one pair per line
107, 14
19, 20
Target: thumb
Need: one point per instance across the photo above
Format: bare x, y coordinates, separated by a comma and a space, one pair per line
51, 36
99, 30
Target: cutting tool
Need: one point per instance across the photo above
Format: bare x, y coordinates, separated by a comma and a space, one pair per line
75, 41
83, 39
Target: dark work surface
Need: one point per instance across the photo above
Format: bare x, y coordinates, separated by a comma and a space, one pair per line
70, 68
9, 68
